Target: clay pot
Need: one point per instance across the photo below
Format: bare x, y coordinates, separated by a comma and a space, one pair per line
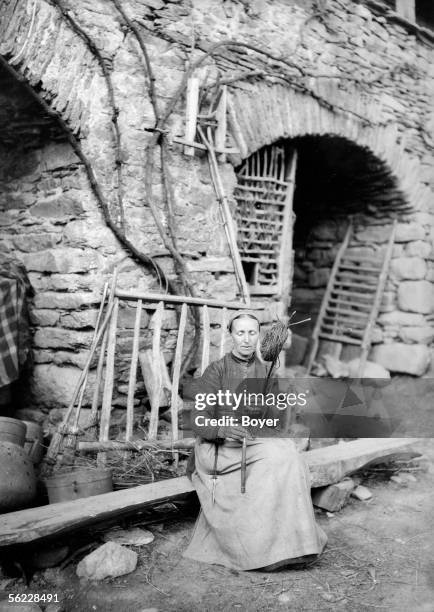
17, 478
12, 430
34, 441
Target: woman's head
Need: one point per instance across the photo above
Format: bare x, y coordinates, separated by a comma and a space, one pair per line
244, 330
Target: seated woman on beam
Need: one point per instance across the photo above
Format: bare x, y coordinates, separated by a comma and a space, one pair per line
271, 524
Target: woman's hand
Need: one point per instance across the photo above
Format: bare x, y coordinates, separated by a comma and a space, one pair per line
234, 432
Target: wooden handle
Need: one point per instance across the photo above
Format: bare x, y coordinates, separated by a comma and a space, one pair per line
243, 465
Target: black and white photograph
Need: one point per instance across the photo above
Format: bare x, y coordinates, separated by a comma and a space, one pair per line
216, 305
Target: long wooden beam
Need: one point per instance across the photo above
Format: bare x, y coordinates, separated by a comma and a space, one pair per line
327, 465
183, 299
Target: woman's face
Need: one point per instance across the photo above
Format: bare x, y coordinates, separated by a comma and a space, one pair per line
245, 336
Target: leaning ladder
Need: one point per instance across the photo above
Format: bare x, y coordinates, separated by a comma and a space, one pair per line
352, 300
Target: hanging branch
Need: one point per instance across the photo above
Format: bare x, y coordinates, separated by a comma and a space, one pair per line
115, 111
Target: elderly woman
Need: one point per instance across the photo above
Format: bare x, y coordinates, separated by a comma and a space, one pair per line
272, 523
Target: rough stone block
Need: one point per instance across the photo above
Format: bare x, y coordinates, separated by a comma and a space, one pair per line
418, 335
52, 386
375, 233
408, 268
56, 337
109, 560
86, 233
57, 155
398, 318
78, 320
57, 207
65, 301
29, 243
406, 232
333, 497
44, 317
416, 296
418, 248
399, 357
19, 200
61, 260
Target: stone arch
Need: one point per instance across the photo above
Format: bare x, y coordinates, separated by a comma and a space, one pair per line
266, 113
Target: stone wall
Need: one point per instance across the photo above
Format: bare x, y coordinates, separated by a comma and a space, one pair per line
348, 72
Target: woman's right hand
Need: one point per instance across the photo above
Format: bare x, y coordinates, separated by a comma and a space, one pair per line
234, 432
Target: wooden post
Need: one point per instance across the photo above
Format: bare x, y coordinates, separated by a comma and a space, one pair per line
235, 128
109, 380
223, 326
205, 336
406, 9
176, 372
133, 373
192, 107
227, 217
220, 132
285, 258
155, 398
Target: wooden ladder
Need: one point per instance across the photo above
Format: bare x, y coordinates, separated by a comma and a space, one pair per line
352, 300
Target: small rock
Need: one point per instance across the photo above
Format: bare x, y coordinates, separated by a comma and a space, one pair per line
285, 598
131, 537
397, 480
408, 477
330, 514
109, 560
362, 493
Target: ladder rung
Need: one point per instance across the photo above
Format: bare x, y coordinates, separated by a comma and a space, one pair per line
371, 263
359, 277
355, 294
355, 313
359, 268
344, 322
347, 303
356, 285
343, 339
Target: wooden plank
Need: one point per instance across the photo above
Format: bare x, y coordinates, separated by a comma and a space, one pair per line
182, 299
406, 9
235, 128
106, 406
176, 371
330, 464
157, 320
205, 339
191, 110
327, 465
285, 258
133, 373
220, 132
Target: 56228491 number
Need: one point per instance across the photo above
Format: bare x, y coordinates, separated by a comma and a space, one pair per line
33, 597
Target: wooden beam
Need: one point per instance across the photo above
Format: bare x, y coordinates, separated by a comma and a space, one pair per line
330, 464
406, 9
327, 465
191, 110
183, 299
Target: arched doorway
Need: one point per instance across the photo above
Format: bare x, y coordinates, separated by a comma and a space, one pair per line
334, 181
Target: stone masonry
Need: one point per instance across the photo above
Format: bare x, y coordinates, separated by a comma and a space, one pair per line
351, 72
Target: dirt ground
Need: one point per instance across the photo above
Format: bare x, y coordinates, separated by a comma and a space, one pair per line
379, 557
